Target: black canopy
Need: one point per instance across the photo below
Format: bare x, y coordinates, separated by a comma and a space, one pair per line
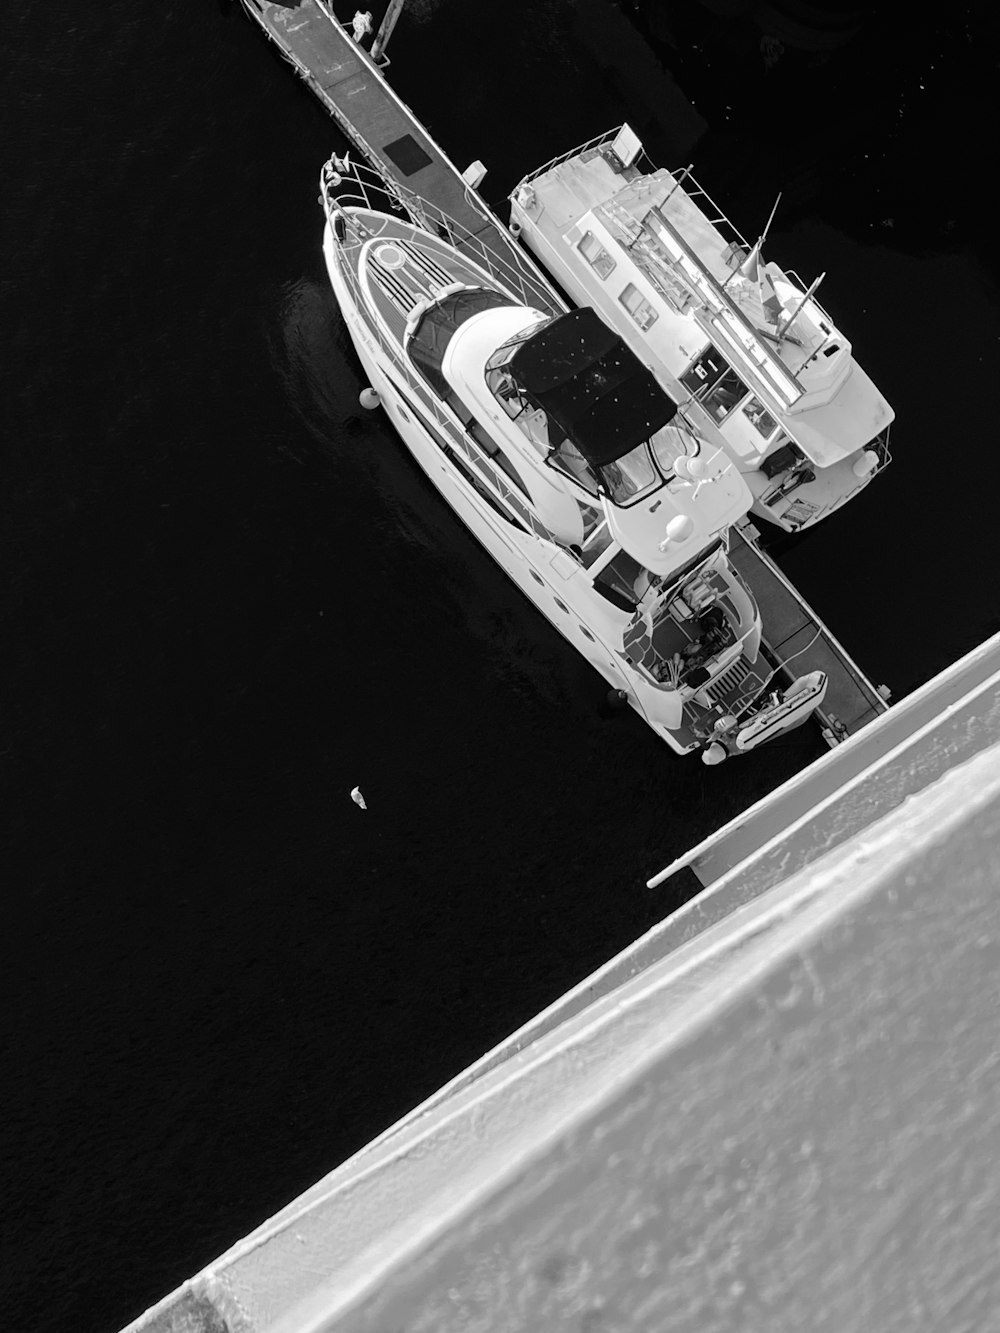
581, 374
436, 328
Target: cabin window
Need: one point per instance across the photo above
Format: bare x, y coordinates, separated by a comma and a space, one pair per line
482, 437
638, 307
669, 444
462, 465
707, 367
477, 452
505, 465
475, 430
457, 406
487, 467
759, 417
596, 255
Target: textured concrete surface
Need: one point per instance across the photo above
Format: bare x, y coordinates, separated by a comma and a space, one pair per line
916, 741
820, 1150
791, 1122
948, 720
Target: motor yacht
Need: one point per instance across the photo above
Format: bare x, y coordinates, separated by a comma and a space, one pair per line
575, 468
744, 347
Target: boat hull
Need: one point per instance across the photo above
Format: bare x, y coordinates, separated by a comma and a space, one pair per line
537, 572
836, 434
557, 582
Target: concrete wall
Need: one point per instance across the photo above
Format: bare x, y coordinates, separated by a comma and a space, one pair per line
790, 1122
951, 718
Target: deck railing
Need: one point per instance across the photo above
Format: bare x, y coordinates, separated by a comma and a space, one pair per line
597, 142
348, 184
645, 165
815, 511
665, 245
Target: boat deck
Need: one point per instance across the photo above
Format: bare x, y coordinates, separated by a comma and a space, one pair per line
405, 267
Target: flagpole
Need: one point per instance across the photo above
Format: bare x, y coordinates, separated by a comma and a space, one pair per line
756, 250
763, 235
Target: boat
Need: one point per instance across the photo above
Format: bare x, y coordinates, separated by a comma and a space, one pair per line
558, 448
758, 364
783, 710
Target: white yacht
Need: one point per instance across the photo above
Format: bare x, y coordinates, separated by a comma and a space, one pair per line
754, 360
564, 455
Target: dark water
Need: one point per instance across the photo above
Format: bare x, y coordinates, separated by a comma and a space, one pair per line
230, 596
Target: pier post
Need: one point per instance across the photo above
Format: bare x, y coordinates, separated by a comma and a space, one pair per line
385, 29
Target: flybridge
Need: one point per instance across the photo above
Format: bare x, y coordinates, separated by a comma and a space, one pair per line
662, 243
590, 383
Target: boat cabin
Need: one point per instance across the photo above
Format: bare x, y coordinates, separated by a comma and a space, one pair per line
737, 338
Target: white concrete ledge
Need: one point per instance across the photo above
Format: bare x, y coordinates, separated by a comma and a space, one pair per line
789, 1121
903, 728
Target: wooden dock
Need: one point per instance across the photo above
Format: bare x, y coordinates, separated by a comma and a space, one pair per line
353, 88
796, 637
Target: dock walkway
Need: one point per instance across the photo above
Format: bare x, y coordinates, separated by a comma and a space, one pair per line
356, 93
795, 635
353, 88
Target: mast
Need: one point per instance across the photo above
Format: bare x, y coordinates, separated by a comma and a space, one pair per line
750, 267
783, 327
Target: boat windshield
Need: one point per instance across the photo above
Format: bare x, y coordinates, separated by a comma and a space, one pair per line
504, 388
645, 468
585, 379
630, 477
501, 382
566, 457
506, 350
